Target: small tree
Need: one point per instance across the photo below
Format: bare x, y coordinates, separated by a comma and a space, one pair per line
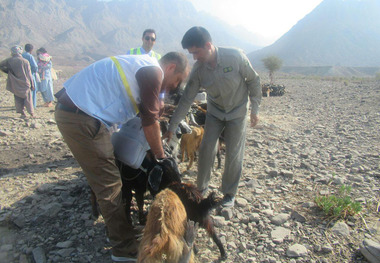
272, 64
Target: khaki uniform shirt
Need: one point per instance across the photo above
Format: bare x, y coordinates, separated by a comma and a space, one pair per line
228, 87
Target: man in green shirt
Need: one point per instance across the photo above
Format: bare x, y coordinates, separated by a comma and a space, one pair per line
229, 80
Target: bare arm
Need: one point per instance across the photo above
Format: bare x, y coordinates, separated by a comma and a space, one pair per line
153, 136
150, 81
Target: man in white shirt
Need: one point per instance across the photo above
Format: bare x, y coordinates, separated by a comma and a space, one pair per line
108, 92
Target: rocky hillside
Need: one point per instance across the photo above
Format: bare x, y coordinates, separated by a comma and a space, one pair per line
86, 30
319, 136
336, 33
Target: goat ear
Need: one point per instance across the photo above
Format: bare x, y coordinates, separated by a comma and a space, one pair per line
154, 177
197, 132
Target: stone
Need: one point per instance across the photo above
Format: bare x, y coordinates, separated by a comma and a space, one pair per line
20, 221
219, 221
279, 233
226, 213
268, 212
52, 209
341, 228
39, 255
280, 219
287, 174
298, 217
65, 252
241, 202
296, 251
254, 217
65, 244
327, 249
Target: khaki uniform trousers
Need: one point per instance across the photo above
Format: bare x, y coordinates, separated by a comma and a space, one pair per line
90, 142
234, 137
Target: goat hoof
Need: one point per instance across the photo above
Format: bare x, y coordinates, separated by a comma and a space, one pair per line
95, 217
142, 218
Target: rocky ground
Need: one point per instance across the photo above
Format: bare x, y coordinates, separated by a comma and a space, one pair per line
320, 135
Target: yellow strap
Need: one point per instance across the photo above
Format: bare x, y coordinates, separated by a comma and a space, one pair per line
125, 82
156, 55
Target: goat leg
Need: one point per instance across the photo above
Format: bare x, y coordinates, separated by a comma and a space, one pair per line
191, 160
140, 204
127, 194
209, 226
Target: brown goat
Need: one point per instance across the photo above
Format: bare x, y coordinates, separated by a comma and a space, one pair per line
190, 144
163, 238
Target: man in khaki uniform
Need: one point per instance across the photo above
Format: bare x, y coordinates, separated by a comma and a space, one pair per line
229, 80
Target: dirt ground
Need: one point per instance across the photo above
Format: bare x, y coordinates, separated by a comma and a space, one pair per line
323, 133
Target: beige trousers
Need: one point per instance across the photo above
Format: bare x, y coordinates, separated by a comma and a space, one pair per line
90, 142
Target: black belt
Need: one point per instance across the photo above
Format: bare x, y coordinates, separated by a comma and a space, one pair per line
69, 109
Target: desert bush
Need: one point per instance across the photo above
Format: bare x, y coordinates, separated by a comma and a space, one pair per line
377, 77
339, 205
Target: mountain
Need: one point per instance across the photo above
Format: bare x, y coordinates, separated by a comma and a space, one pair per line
336, 33
75, 31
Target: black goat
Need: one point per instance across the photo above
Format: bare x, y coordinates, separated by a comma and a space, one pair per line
198, 209
154, 175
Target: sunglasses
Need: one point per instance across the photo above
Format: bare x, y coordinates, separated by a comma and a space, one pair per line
149, 38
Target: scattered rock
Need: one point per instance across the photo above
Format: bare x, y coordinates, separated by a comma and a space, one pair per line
39, 255
280, 219
341, 228
296, 251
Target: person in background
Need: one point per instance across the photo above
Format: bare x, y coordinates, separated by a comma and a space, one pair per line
111, 92
229, 80
20, 80
44, 70
33, 67
148, 39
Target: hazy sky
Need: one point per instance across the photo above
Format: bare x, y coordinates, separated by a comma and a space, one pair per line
267, 18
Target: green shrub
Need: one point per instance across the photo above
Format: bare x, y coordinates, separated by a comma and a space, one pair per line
377, 77
339, 205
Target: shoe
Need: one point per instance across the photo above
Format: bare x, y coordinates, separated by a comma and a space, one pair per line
130, 258
125, 251
228, 201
